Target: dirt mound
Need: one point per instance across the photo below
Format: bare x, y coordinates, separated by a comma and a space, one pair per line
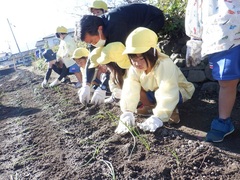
48, 134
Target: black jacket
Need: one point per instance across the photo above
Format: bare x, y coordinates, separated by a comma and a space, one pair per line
121, 21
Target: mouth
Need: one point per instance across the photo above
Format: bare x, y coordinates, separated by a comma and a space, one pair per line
139, 67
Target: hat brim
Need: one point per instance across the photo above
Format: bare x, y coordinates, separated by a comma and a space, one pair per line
92, 65
77, 57
124, 64
94, 55
103, 59
135, 50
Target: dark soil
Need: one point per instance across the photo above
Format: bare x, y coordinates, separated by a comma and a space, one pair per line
48, 134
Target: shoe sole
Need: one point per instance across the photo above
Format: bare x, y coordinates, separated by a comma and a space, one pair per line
173, 122
174, 117
224, 136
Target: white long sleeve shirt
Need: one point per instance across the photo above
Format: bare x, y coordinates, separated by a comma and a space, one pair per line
216, 22
165, 79
66, 49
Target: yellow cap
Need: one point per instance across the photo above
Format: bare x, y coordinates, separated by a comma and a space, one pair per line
140, 40
98, 4
61, 29
93, 56
113, 53
79, 53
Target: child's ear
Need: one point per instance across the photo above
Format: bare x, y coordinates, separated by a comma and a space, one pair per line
100, 28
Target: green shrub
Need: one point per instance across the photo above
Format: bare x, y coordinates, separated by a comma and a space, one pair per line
174, 11
40, 64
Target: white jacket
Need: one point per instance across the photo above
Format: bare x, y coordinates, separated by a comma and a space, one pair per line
66, 49
216, 22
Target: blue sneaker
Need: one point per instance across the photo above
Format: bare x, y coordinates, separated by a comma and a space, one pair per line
219, 129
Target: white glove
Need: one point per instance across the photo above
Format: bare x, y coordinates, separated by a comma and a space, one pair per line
78, 85
98, 96
193, 54
55, 83
84, 94
151, 124
44, 83
109, 100
127, 120
115, 97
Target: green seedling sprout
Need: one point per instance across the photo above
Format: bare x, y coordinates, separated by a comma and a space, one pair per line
134, 140
141, 138
95, 153
134, 133
110, 167
112, 117
174, 155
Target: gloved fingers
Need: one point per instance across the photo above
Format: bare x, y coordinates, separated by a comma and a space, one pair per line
149, 126
109, 100
128, 121
154, 121
143, 126
54, 83
95, 101
92, 101
84, 94
152, 127
98, 96
44, 84
83, 100
99, 101
121, 129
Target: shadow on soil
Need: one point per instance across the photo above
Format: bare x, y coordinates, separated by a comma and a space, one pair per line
9, 112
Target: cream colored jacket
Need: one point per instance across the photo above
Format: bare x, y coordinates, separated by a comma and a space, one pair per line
165, 79
65, 51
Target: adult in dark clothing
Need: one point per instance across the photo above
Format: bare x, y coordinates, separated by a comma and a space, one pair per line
58, 67
116, 26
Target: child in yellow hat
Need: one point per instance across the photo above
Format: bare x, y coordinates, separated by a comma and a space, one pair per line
101, 76
153, 79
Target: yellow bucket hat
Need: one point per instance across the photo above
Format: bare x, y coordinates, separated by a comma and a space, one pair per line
79, 53
113, 52
98, 4
61, 29
140, 40
93, 56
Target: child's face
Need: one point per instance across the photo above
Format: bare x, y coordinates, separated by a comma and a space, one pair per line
81, 62
97, 12
139, 62
102, 68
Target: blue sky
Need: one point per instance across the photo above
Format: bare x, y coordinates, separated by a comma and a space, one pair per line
32, 19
